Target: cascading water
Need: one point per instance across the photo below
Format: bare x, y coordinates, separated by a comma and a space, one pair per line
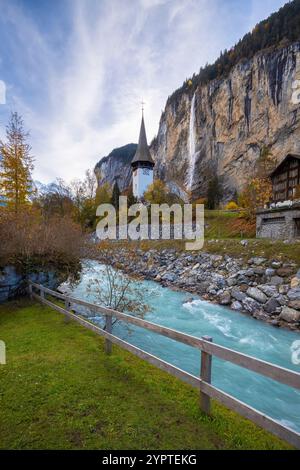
232, 329
192, 144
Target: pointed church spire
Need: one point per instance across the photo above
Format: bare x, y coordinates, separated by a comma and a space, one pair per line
142, 153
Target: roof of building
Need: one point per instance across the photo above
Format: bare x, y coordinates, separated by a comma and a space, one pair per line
142, 153
289, 155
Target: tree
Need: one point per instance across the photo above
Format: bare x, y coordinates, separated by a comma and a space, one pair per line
258, 191
16, 165
103, 194
115, 196
265, 162
90, 184
56, 201
214, 193
156, 192
116, 290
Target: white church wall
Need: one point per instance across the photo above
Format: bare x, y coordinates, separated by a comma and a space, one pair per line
142, 177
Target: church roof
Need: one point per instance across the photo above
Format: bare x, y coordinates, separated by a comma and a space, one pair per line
142, 153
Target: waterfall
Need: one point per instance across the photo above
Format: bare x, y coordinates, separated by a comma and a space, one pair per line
192, 145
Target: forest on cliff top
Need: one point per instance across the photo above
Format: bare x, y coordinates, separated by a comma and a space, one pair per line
279, 30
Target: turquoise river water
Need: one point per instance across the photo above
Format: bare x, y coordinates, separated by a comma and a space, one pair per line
228, 328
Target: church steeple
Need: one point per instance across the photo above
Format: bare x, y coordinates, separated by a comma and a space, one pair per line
142, 154
142, 165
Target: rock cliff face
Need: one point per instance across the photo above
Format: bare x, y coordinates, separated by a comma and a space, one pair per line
220, 128
116, 167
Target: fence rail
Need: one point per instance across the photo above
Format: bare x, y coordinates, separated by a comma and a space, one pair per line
207, 349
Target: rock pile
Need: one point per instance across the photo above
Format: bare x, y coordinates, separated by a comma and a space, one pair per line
266, 289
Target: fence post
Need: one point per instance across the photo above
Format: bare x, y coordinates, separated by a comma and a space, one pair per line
205, 375
67, 307
30, 290
108, 328
42, 292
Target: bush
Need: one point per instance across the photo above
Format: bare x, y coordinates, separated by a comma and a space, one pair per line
28, 241
231, 206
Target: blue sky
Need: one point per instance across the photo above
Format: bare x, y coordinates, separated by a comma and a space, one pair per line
77, 69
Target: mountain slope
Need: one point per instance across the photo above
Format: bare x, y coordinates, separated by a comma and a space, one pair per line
218, 122
220, 127
116, 166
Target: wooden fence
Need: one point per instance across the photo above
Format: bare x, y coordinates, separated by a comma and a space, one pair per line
207, 350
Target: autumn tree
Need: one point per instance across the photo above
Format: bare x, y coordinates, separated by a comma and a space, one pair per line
84, 198
103, 194
16, 165
156, 193
258, 191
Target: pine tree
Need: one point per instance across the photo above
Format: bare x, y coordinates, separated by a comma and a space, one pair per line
115, 196
16, 165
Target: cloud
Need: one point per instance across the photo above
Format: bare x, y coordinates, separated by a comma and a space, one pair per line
78, 75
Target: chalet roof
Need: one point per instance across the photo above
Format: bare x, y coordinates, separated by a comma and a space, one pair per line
289, 155
142, 153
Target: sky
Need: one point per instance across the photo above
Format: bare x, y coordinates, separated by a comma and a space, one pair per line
77, 70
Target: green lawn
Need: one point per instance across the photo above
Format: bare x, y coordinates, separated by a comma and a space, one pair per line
60, 391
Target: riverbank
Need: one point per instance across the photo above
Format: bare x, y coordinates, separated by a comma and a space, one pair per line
265, 287
68, 394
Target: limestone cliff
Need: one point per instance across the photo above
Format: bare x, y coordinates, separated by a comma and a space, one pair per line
116, 167
220, 127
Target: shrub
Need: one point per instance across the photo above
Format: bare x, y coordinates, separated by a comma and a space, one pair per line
29, 241
231, 206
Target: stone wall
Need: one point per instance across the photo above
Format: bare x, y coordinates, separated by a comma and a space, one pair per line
277, 224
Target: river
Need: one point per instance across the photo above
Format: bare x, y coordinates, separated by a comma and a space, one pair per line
232, 329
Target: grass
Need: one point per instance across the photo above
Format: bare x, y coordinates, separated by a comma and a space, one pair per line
270, 249
59, 390
224, 231
226, 224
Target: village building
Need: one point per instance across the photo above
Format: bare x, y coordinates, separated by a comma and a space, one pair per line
281, 220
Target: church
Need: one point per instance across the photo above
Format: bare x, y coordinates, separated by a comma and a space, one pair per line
142, 165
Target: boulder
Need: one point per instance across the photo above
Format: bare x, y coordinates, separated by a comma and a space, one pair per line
243, 287
236, 305
203, 287
257, 260
249, 272
294, 294
276, 264
250, 305
237, 294
268, 290
276, 280
290, 315
219, 280
270, 272
271, 305
259, 271
257, 295
283, 289
170, 277
294, 304
285, 271
225, 298
295, 282
231, 281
